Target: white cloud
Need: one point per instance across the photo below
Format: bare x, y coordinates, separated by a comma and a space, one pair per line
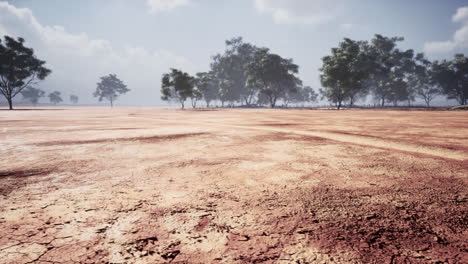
77, 61
309, 12
165, 5
460, 37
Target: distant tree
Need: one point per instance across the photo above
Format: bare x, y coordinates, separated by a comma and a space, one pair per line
19, 68
452, 76
109, 88
390, 69
74, 99
55, 97
195, 97
303, 95
273, 75
177, 85
32, 94
208, 86
230, 69
422, 80
345, 72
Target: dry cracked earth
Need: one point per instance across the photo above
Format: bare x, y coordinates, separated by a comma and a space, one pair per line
152, 185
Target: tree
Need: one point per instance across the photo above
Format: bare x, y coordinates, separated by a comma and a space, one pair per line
55, 97
19, 68
195, 97
177, 85
452, 76
208, 86
422, 80
230, 69
273, 75
390, 69
109, 88
345, 72
304, 94
74, 99
32, 94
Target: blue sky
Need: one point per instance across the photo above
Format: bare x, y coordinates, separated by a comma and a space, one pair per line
140, 39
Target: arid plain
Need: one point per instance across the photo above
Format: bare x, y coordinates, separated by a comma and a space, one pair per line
153, 185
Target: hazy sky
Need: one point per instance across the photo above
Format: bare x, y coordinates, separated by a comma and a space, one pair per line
140, 39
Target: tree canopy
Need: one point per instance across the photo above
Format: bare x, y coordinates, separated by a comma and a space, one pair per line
345, 72
32, 94
109, 88
273, 75
177, 86
452, 76
55, 97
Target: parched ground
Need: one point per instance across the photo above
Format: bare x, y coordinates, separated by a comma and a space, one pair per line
134, 185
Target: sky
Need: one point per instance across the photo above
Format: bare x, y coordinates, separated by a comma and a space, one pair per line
139, 40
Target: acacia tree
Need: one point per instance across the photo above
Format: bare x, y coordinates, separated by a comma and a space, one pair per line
345, 72
177, 85
422, 80
109, 88
74, 99
32, 94
19, 68
208, 86
452, 76
272, 74
55, 97
391, 69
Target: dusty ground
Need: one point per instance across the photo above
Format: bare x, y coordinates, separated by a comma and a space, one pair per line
94, 185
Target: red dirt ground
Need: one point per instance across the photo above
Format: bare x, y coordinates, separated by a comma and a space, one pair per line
149, 185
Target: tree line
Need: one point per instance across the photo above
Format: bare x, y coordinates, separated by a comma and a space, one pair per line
245, 75
356, 69
251, 76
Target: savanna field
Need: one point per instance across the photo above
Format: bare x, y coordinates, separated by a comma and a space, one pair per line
158, 185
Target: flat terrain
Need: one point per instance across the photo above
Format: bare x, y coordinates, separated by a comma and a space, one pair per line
149, 185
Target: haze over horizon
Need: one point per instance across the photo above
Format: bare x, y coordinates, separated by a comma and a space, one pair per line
140, 40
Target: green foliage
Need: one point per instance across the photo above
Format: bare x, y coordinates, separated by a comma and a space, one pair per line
230, 70
391, 68
55, 97
32, 94
109, 88
273, 75
452, 76
19, 68
178, 86
345, 71
422, 81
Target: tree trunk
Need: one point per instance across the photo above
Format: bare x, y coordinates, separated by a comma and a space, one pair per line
383, 102
111, 103
339, 105
182, 103
10, 103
